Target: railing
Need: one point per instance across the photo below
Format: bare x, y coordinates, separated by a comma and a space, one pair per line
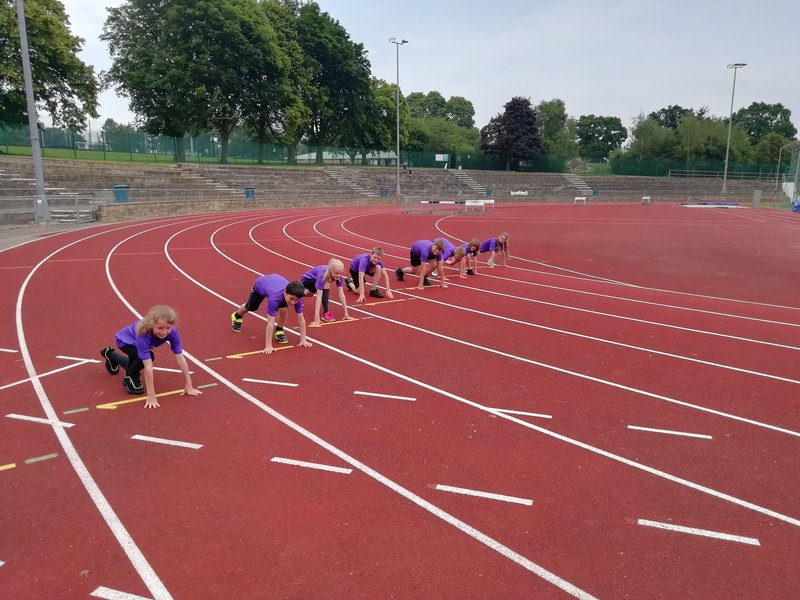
740, 175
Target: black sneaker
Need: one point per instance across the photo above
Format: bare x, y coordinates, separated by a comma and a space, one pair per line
111, 365
470, 272
281, 337
375, 294
236, 322
350, 285
132, 386
399, 273
426, 282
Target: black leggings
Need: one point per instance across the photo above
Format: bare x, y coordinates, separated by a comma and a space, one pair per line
130, 360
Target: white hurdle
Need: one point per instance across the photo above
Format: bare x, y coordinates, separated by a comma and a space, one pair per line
647, 200
579, 200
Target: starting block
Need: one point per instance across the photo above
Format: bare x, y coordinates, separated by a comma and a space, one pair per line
647, 200
579, 200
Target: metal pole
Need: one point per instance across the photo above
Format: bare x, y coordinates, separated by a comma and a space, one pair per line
796, 171
41, 211
397, 44
780, 153
735, 67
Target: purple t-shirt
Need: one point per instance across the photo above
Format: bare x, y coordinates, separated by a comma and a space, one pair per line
318, 275
362, 263
467, 251
272, 287
449, 250
489, 245
146, 341
422, 248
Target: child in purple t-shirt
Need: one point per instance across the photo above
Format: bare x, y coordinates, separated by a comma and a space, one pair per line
453, 255
471, 263
368, 263
136, 341
425, 256
280, 294
317, 281
498, 245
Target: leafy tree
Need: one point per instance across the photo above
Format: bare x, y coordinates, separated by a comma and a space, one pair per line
669, 117
649, 140
598, 136
63, 85
378, 130
441, 135
768, 150
556, 128
122, 138
460, 111
513, 135
760, 119
339, 94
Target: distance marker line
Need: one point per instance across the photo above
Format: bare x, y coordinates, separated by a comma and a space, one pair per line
702, 532
37, 420
41, 458
488, 495
311, 465
357, 393
156, 440
508, 411
243, 354
670, 432
118, 403
8, 350
266, 382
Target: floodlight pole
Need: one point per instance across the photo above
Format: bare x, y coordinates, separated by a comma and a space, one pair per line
41, 211
735, 67
397, 44
780, 153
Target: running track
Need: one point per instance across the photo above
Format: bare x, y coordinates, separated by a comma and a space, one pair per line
624, 394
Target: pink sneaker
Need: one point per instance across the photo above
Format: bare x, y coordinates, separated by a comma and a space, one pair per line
328, 317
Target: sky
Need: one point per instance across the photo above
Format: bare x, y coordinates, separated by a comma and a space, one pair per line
618, 58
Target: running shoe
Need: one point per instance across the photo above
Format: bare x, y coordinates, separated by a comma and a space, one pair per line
426, 282
281, 337
236, 322
399, 273
132, 386
350, 285
327, 317
375, 294
111, 365
470, 272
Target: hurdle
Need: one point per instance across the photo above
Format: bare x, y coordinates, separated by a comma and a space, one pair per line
579, 200
647, 200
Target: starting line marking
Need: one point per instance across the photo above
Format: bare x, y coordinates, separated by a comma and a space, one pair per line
270, 382
243, 354
156, 440
114, 405
8, 466
335, 322
109, 594
670, 432
37, 420
8, 350
2, 563
489, 495
75, 410
387, 301
508, 411
53, 372
311, 465
80, 360
41, 458
702, 532
357, 393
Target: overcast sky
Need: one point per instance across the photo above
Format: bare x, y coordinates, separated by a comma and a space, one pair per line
604, 58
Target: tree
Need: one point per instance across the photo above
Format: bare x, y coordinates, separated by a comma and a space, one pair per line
760, 119
556, 128
513, 135
63, 85
768, 150
598, 136
669, 117
460, 111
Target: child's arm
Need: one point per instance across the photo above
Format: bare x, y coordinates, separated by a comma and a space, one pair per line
150, 389
188, 388
506, 255
388, 288
362, 280
423, 270
301, 323
270, 330
317, 306
343, 301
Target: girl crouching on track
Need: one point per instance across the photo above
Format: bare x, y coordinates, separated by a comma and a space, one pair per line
136, 341
317, 281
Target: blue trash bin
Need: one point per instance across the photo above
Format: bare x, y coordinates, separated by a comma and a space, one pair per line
383, 192
250, 193
489, 193
121, 193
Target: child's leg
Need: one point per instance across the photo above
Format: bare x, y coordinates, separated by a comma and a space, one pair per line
376, 277
281, 317
326, 293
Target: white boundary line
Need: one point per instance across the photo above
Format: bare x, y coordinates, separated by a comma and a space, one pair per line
38, 420
702, 532
523, 413
9, 350
109, 594
40, 375
390, 396
671, 432
488, 495
157, 440
310, 465
266, 382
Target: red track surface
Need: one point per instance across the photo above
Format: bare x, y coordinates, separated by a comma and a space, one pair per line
663, 317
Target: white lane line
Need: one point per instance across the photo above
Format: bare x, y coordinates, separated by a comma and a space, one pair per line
80, 360
147, 438
267, 382
507, 411
702, 532
357, 393
40, 375
37, 420
310, 465
109, 594
2, 563
489, 495
8, 350
670, 432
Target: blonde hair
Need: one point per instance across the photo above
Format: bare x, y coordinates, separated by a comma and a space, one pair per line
459, 251
154, 315
377, 250
333, 263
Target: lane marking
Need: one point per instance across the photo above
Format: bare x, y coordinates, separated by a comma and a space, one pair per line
75, 410
264, 381
40, 375
339, 322
30, 461
243, 354
80, 360
8, 466
488, 495
37, 420
215, 358
118, 403
8, 350
508, 411
357, 393
701, 532
166, 442
311, 465
671, 432
386, 302
2, 563
109, 594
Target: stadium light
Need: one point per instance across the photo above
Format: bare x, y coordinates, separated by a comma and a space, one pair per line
397, 44
735, 67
